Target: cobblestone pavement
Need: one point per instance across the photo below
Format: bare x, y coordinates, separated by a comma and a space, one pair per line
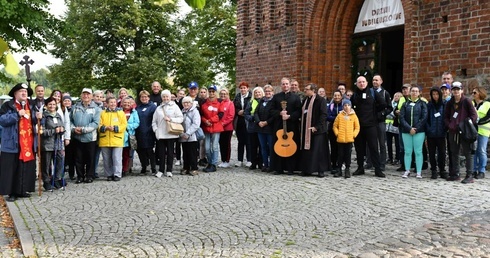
236, 212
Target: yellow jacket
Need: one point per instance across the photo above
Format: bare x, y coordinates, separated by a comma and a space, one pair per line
346, 127
115, 118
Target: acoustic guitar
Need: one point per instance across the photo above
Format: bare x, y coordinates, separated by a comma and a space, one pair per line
285, 145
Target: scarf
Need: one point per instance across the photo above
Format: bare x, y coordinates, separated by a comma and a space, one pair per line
26, 135
308, 122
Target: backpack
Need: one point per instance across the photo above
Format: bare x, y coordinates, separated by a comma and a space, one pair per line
468, 130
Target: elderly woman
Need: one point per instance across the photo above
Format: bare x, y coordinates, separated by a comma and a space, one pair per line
144, 133
17, 176
264, 120
123, 93
188, 139
112, 128
253, 128
227, 121
133, 123
52, 146
168, 111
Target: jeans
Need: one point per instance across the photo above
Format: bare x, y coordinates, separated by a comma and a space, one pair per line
211, 144
413, 143
480, 160
266, 147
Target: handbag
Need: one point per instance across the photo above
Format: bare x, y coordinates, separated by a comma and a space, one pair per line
133, 143
174, 128
200, 134
391, 128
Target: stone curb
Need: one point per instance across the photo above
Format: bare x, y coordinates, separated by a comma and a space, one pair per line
24, 235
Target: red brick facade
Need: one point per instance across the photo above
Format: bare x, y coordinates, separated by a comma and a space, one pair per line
310, 40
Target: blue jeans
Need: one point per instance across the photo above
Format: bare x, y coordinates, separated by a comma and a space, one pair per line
211, 145
265, 140
413, 143
480, 160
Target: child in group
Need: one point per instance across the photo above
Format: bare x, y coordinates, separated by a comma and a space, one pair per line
346, 127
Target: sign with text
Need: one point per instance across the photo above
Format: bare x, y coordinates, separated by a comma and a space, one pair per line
379, 14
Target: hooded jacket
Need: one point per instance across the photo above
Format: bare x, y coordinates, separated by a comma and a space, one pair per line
413, 115
87, 117
346, 126
435, 117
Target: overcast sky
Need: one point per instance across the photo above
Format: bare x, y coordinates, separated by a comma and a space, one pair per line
58, 8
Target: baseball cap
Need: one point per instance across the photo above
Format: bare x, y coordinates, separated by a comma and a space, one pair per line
406, 85
446, 85
213, 87
457, 85
87, 90
193, 85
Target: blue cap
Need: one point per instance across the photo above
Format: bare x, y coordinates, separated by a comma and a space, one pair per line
346, 101
213, 87
193, 85
446, 85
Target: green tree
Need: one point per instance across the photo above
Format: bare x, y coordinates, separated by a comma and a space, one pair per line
206, 47
110, 44
25, 25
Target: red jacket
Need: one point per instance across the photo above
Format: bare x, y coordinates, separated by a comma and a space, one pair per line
211, 111
229, 114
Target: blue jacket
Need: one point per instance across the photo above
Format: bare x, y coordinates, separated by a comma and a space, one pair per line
144, 132
413, 114
133, 123
86, 117
435, 116
9, 120
333, 109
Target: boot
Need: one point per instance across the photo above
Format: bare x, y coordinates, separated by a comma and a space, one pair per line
338, 173
468, 179
443, 174
434, 174
359, 171
347, 173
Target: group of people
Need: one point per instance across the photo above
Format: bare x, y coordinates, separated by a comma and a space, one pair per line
281, 132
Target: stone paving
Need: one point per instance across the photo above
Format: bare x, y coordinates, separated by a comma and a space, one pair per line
236, 212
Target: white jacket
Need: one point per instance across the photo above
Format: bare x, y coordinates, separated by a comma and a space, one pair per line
159, 125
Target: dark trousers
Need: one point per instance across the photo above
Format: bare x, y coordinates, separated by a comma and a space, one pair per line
367, 137
242, 137
333, 149
254, 146
189, 155
70, 159
178, 150
225, 145
389, 143
49, 158
345, 152
147, 157
85, 158
437, 147
166, 154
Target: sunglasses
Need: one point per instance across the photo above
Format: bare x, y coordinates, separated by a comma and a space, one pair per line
474, 92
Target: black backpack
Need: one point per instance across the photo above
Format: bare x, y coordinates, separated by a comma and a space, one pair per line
468, 130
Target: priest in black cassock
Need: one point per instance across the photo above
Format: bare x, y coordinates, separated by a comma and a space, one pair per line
18, 157
291, 115
315, 156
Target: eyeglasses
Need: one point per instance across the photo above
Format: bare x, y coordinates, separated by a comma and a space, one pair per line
349, 95
474, 92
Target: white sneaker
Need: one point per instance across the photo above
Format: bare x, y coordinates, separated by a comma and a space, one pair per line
406, 174
159, 174
419, 175
177, 163
239, 164
168, 174
248, 164
343, 166
224, 165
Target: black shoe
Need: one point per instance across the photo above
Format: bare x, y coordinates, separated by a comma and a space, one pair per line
207, 168
279, 173
11, 198
290, 173
203, 162
453, 178
434, 175
347, 173
252, 167
358, 172
116, 179
265, 169
338, 173
468, 179
379, 173
96, 175
480, 175
443, 175
143, 171
72, 178
368, 166
110, 178
212, 169
321, 174
24, 195
79, 180
88, 180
